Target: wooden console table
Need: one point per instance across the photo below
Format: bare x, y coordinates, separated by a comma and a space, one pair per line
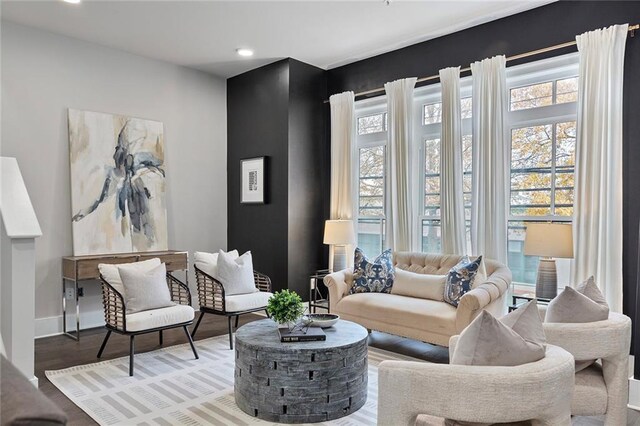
81, 268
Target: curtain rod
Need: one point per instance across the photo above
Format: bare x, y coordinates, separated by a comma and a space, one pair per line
632, 29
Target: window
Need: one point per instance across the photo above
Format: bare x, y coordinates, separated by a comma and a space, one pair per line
371, 182
374, 123
428, 102
371, 141
432, 113
544, 94
542, 134
540, 126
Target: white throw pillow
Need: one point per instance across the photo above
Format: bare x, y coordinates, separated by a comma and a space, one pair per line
144, 290
236, 275
111, 274
422, 286
208, 262
516, 339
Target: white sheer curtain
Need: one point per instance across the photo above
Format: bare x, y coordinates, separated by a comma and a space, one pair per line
451, 189
490, 160
400, 226
342, 147
598, 180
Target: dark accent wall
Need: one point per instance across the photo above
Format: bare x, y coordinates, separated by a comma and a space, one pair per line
277, 111
545, 26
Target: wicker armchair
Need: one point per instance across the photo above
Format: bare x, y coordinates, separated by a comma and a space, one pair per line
117, 320
213, 300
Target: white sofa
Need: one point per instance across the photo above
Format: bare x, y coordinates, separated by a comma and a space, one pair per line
433, 321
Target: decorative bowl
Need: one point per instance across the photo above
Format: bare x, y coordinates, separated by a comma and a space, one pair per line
320, 320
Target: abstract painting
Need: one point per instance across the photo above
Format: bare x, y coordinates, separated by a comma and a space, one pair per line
117, 183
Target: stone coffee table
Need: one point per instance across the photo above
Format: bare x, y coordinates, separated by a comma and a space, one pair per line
300, 382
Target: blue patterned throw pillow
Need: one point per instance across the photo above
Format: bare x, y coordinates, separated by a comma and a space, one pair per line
460, 279
372, 277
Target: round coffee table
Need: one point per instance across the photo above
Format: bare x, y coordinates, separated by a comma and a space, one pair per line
300, 382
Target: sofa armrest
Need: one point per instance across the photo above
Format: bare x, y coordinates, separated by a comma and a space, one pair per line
538, 390
338, 284
474, 301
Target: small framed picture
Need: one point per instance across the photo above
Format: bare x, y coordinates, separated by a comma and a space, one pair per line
252, 171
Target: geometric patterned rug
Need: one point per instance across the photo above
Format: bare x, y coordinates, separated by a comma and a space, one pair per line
170, 387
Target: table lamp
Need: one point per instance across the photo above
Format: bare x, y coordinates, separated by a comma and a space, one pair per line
548, 240
338, 234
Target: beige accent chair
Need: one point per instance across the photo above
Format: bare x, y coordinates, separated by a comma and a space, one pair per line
433, 321
422, 393
603, 388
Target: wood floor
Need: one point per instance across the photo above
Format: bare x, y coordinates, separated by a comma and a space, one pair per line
58, 352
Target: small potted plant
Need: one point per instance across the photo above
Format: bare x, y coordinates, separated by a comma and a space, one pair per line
285, 307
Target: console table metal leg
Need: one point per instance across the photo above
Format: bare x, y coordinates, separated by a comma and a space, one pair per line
75, 336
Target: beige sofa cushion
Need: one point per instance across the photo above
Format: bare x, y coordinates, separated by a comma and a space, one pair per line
423, 286
433, 315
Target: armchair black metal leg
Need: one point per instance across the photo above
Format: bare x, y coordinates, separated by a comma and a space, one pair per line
230, 334
193, 333
131, 351
267, 312
237, 318
193, 347
104, 343
161, 338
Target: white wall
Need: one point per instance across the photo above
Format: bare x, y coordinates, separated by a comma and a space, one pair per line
43, 74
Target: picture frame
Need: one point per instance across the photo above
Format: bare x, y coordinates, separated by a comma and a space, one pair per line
252, 180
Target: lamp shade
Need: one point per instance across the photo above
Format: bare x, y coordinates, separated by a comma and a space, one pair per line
549, 239
339, 232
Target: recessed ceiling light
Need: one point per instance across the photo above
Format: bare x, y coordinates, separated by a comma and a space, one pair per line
244, 52
72, 1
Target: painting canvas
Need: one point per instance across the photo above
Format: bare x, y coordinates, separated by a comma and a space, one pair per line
117, 183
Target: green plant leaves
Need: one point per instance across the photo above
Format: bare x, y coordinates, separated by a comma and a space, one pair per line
285, 306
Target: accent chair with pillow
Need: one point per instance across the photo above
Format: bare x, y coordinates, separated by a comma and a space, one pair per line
501, 372
415, 306
579, 321
228, 285
140, 298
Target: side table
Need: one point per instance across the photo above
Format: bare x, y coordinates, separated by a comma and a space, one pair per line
318, 292
521, 299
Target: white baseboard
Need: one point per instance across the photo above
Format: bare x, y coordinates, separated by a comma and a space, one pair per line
34, 381
52, 326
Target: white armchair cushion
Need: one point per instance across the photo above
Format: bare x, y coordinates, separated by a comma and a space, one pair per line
154, 318
245, 302
236, 275
144, 290
208, 262
111, 274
